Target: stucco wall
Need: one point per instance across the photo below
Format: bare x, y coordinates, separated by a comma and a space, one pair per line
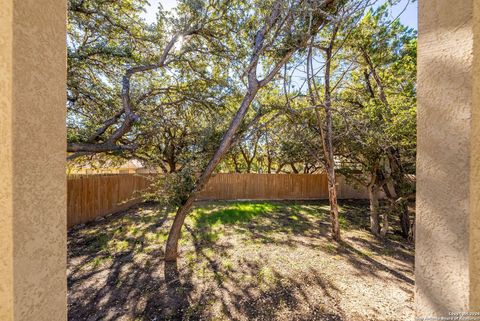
447, 193
475, 171
32, 158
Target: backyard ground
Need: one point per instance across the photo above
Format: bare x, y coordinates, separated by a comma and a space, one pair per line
239, 261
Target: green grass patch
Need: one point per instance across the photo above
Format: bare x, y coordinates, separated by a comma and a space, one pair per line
235, 213
265, 276
330, 248
99, 242
343, 222
227, 265
293, 217
116, 245
97, 261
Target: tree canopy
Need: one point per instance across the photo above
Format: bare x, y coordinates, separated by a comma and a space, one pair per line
245, 86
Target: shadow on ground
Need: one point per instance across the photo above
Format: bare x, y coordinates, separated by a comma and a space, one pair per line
239, 261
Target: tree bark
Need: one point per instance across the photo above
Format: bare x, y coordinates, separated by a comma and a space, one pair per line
171, 249
399, 203
279, 169
294, 169
404, 217
411, 234
374, 208
332, 198
269, 165
328, 147
235, 164
384, 229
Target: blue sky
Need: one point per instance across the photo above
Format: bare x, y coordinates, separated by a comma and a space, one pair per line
408, 17
151, 14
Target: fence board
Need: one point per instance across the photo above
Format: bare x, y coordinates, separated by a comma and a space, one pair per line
92, 196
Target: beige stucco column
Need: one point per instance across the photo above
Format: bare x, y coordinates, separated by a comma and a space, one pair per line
32, 160
447, 260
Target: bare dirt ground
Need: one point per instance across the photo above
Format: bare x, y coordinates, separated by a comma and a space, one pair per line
239, 261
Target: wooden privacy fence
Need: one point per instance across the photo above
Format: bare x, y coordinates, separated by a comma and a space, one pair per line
275, 187
265, 187
92, 196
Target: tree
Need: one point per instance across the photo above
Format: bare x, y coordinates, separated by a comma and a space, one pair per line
107, 39
378, 137
287, 27
322, 81
325, 123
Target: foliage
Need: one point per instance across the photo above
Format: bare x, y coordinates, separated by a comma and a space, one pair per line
372, 126
181, 107
172, 190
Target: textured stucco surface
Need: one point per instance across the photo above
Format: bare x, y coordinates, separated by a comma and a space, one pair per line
447, 190
32, 158
475, 170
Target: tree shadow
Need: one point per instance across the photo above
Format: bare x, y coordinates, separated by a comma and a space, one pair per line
136, 283
264, 293
173, 301
367, 264
110, 272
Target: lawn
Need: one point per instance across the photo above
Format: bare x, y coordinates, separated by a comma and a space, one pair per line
239, 261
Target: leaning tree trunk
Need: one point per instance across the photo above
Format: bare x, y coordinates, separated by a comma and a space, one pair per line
374, 208
171, 249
